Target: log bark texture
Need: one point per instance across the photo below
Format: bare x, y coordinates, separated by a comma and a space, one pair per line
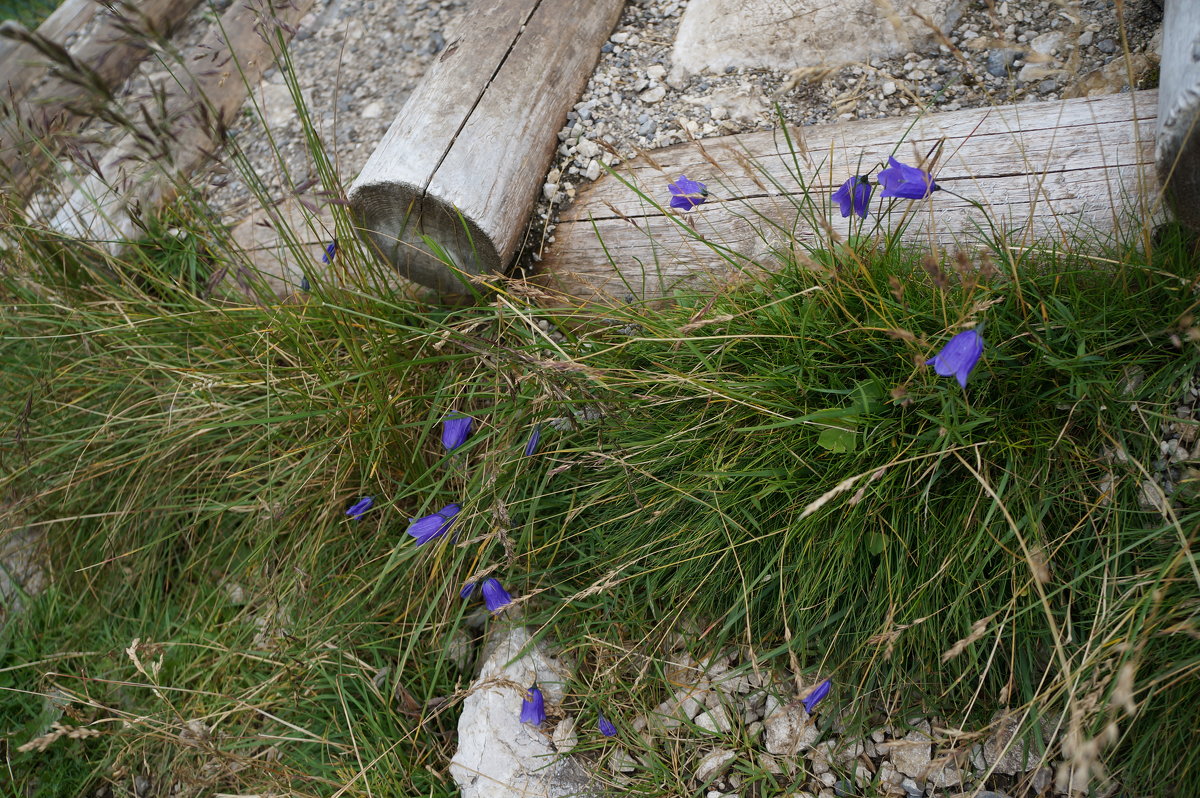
464, 160
1177, 154
1042, 171
36, 126
20, 64
141, 173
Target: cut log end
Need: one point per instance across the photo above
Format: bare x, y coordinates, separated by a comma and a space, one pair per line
400, 221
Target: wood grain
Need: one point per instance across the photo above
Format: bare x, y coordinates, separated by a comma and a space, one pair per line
466, 156
20, 64
1177, 152
1043, 171
132, 182
45, 117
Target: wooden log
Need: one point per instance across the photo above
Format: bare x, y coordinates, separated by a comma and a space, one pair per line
32, 131
20, 65
1177, 152
1041, 170
131, 183
464, 160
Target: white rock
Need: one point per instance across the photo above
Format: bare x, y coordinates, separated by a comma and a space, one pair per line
910, 755
888, 88
656, 72
498, 756
588, 148
549, 190
373, 110
714, 764
593, 170
1047, 43
621, 761
654, 95
715, 720
716, 34
789, 730
565, 738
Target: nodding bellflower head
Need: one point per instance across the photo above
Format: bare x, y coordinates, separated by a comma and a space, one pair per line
534, 437
533, 707
494, 595
359, 508
433, 526
854, 196
814, 698
330, 251
606, 727
907, 182
958, 356
455, 431
687, 194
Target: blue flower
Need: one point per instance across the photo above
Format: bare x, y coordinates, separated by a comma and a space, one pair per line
455, 431
534, 437
360, 507
330, 251
822, 690
433, 526
304, 284
958, 356
854, 196
533, 708
687, 194
606, 727
494, 594
907, 182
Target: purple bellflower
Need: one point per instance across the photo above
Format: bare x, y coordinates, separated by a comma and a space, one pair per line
687, 194
330, 251
854, 196
814, 698
494, 595
534, 437
907, 182
958, 356
606, 727
433, 526
533, 708
360, 507
455, 431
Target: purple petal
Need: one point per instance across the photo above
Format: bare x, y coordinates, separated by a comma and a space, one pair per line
606, 727
906, 182
814, 698
494, 595
959, 356
533, 707
455, 431
534, 437
360, 507
687, 194
433, 526
330, 251
468, 590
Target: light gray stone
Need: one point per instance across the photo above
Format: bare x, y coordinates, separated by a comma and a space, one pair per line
1007, 753
714, 764
910, 755
565, 738
715, 720
498, 756
718, 34
789, 730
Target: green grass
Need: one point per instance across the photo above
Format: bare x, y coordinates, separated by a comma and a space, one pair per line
29, 13
773, 469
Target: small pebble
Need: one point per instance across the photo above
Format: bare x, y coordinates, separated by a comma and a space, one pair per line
1000, 61
1106, 46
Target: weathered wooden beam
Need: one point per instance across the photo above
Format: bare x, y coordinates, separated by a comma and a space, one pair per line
1040, 171
33, 129
133, 182
20, 64
464, 160
1177, 153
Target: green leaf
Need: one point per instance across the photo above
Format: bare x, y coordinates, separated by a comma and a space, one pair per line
838, 440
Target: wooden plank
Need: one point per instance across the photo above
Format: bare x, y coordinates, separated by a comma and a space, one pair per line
232, 57
1177, 152
20, 64
477, 136
1041, 170
36, 125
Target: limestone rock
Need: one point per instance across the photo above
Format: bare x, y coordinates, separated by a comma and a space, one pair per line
565, 738
789, 730
498, 756
1010, 756
714, 764
910, 755
715, 35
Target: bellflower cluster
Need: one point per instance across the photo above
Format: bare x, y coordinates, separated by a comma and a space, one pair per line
958, 356
687, 194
